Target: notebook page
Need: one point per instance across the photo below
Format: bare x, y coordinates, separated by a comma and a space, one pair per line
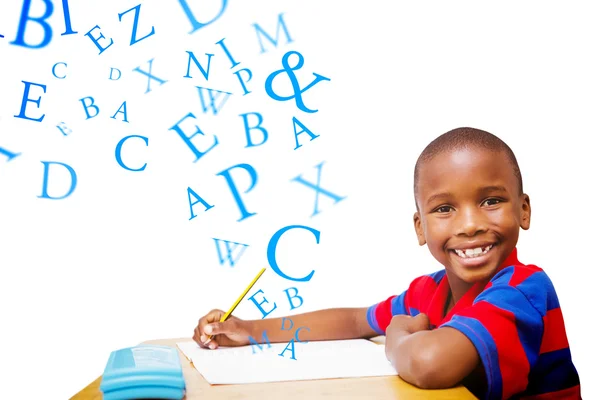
314, 360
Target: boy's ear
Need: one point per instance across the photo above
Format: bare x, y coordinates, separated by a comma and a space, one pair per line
419, 229
525, 212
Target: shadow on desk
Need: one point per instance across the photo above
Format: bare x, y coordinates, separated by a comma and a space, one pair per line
380, 388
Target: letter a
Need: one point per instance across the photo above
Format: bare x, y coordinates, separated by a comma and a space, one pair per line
198, 200
291, 343
295, 122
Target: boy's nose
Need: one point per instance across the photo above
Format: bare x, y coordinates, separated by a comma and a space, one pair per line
470, 222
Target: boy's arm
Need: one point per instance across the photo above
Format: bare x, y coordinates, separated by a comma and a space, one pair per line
502, 329
328, 324
434, 359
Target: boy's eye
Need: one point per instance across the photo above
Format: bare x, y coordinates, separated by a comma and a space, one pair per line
491, 202
443, 209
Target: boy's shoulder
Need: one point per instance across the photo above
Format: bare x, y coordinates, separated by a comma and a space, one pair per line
527, 280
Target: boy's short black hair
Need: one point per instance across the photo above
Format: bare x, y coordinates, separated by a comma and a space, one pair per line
460, 138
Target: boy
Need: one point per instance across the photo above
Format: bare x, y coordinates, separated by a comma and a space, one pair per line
487, 320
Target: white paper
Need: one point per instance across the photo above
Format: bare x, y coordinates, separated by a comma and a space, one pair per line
314, 360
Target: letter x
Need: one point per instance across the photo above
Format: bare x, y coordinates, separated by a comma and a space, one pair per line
149, 74
318, 189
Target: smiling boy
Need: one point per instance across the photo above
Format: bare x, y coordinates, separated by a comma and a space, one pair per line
486, 320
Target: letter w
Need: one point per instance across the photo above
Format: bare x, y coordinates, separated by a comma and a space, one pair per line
229, 250
212, 98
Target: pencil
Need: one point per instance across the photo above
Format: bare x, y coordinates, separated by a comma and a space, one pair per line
239, 299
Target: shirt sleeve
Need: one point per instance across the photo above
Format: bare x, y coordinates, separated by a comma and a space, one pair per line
412, 301
505, 324
379, 315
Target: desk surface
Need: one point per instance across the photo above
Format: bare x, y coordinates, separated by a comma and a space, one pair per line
381, 388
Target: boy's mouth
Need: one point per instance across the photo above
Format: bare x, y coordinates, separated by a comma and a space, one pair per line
473, 252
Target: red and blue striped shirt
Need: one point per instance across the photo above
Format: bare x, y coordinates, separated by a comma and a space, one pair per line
514, 321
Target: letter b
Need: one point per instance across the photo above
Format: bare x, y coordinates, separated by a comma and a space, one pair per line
88, 106
294, 296
257, 127
47, 29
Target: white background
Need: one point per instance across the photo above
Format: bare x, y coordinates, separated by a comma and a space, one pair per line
119, 262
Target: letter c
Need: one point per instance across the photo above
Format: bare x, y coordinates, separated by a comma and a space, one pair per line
118, 152
54, 70
296, 334
273, 246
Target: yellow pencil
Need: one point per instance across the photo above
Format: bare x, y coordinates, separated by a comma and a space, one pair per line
228, 313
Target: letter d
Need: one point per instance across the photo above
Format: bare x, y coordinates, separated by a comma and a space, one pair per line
45, 184
111, 74
283, 324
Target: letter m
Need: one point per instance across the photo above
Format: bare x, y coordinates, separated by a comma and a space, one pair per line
229, 249
280, 26
253, 342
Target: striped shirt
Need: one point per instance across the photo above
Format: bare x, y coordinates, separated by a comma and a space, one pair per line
514, 321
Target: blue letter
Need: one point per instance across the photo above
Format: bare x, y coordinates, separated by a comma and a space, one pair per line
20, 39
67, 15
135, 23
255, 343
248, 128
85, 107
95, 40
318, 189
251, 298
296, 334
54, 70
229, 251
187, 139
110, 77
212, 99
27, 99
118, 152
291, 343
124, 108
283, 324
199, 200
45, 184
280, 24
9, 154
149, 74
227, 53
294, 296
304, 129
62, 129
236, 195
237, 73
190, 15
273, 246
191, 57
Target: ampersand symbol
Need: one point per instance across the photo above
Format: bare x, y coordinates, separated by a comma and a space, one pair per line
289, 70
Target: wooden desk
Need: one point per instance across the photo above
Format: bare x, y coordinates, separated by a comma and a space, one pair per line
380, 388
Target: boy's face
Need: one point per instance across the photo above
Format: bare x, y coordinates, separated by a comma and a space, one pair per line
470, 211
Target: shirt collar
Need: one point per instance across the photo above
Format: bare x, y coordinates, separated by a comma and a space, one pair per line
437, 305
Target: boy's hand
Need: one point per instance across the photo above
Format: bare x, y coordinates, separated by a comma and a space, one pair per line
402, 325
233, 332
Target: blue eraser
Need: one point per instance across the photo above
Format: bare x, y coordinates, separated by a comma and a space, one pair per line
144, 371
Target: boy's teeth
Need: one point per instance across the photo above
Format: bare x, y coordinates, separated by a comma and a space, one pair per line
471, 253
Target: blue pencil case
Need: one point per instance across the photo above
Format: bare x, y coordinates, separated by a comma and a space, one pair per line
143, 372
